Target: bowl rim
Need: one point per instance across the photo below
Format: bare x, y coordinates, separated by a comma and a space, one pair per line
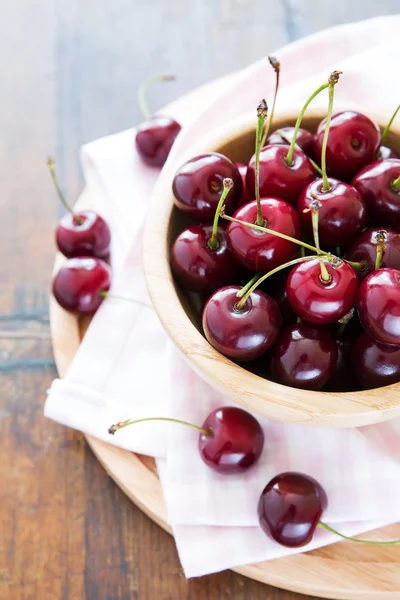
273, 400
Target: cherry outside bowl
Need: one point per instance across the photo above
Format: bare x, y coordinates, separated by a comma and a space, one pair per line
182, 320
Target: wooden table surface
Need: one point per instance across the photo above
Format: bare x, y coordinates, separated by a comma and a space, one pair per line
69, 74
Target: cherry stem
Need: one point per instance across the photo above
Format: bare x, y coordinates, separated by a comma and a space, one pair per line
262, 111
213, 241
141, 93
353, 539
106, 294
396, 184
333, 79
244, 289
289, 141
242, 302
276, 65
388, 126
289, 156
315, 205
114, 428
50, 163
381, 237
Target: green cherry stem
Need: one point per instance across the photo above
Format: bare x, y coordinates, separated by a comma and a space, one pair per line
213, 241
380, 239
244, 289
289, 141
141, 93
396, 184
242, 302
262, 111
333, 79
388, 126
353, 539
50, 163
315, 205
289, 156
106, 294
114, 428
276, 65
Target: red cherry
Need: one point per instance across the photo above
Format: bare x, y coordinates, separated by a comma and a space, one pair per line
198, 185
259, 251
277, 177
364, 250
83, 233
342, 378
353, 142
154, 139
374, 183
235, 440
342, 216
304, 356
242, 168
375, 364
290, 508
304, 139
318, 302
282, 301
384, 152
196, 265
78, 284
379, 305
241, 334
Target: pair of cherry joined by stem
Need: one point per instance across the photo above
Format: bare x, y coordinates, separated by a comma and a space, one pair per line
230, 440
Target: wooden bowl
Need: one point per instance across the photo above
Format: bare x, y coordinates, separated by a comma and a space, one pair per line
180, 318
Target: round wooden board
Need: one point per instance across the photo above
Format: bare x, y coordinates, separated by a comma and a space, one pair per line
342, 570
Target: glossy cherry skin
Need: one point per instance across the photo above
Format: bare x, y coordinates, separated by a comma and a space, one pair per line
241, 334
304, 139
374, 184
277, 178
342, 378
154, 139
235, 442
379, 305
84, 233
259, 251
290, 507
304, 356
198, 267
385, 152
78, 284
353, 142
374, 364
363, 249
245, 194
198, 185
342, 216
317, 302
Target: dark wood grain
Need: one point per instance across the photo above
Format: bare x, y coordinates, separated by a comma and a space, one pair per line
70, 71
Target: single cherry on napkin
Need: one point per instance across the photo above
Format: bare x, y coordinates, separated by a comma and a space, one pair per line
80, 233
290, 509
230, 441
155, 137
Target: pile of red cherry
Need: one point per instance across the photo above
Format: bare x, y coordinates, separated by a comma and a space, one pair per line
327, 319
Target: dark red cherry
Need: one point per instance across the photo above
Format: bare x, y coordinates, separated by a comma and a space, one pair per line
196, 265
385, 152
353, 142
364, 249
282, 301
304, 356
84, 233
379, 305
342, 216
241, 334
78, 284
374, 183
304, 139
259, 251
277, 177
290, 507
198, 185
374, 364
154, 139
342, 378
235, 442
245, 194
318, 302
